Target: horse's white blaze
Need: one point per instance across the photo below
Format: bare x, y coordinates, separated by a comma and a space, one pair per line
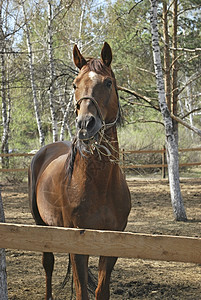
93, 76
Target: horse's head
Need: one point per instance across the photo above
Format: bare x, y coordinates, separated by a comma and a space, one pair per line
96, 99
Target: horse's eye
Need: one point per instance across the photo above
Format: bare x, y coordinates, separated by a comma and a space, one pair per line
108, 82
74, 86
78, 106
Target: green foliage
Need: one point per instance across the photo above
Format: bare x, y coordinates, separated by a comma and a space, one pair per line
23, 125
140, 136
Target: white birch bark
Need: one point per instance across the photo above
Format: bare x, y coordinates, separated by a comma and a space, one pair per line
5, 102
32, 79
171, 143
3, 275
52, 75
5, 121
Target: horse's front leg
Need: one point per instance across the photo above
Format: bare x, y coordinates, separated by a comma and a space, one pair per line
48, 264
106, 265
80, 275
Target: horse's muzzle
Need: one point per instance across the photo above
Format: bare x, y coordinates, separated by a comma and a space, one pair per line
87, 126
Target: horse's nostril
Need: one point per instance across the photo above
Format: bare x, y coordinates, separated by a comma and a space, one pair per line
90, 123
86, 123
79, 123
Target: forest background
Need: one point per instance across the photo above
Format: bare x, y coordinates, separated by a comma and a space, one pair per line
37, 71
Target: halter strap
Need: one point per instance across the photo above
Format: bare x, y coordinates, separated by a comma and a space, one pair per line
104, 125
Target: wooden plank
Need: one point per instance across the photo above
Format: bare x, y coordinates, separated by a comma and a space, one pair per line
143, 166
15, 154
189, 149
159, 151
143, 151
159, 165
14, 170
190, 164
106, 243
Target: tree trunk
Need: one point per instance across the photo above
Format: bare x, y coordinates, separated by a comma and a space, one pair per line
32, 79
3, 276
171, 144
166, 57
5, 105
5, 116
52, 75
174, 70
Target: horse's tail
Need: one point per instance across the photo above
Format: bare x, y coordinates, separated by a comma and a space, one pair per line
92, 281
68, 274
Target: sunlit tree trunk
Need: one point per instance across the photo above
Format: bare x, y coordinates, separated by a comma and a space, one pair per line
166, 56
174, 95
32, 79
171, 143
5, 100
52, 75
3, 276
5, 115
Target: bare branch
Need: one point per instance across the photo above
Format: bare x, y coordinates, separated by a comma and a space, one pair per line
130, 10
137, 95
148, 100
189, 82
147, 71
187, 9
146, 121
186, 49
180, 121
191, 112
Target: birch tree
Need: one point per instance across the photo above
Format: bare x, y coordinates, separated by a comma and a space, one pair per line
174, 96
3, 276
171, 142
32, 77
4, 89
52, 73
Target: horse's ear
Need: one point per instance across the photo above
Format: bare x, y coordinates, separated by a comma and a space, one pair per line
106, 54
79, 60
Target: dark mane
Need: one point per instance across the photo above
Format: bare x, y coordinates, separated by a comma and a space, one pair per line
70, 161
97, 66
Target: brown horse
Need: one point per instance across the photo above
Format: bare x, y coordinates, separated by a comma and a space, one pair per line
80, 184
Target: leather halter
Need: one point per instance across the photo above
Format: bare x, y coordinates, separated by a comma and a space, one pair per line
104, 125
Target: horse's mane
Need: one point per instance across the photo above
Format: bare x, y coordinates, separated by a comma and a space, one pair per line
97, 66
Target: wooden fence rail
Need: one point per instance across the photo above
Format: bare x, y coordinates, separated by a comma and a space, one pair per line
97, 242
161, 166
124, 165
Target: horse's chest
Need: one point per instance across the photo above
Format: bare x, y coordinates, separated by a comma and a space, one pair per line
91, 208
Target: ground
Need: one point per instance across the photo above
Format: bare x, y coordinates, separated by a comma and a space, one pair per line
131, 278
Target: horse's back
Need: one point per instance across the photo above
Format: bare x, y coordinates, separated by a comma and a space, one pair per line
39, 163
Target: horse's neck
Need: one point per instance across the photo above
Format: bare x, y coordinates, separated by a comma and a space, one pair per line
110, 141
103, 157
